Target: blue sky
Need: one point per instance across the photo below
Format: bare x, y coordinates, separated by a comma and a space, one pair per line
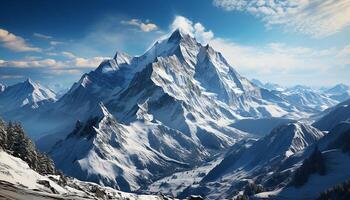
297, 42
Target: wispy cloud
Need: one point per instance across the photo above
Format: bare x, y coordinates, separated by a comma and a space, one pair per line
15, 43
143, 26
317, 18
54, 64
68, 54
54, 42
43, 36
11, 76
285, 64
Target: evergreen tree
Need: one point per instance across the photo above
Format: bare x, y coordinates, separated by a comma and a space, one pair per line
314, 164
14, 141
3, 135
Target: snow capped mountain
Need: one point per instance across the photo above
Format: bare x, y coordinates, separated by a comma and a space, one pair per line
338, 89
187, 86
340, 92
25, 94
166, 110
268, 85
171, 106
258, 161
308, 98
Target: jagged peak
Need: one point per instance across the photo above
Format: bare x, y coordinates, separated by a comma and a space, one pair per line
142, 112
122, 58
2, 87
29, 82
104, 110
296, 134
177, 35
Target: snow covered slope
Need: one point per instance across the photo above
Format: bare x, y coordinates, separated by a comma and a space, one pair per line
26, 94
129, 156
335, 150
260, 127
334, 116
258, 161
16, 174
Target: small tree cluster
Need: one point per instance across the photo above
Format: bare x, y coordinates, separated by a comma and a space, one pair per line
339, 192
252, 189
314, 164
14, 141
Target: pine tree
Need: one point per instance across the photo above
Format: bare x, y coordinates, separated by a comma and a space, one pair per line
3, 135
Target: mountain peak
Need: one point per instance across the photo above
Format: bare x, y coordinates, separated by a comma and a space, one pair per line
29, 81
2, 87
178, 35
104, 110
122, 58
338, 89
175, 36
295, 136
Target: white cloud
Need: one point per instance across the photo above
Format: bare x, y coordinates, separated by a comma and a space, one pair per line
53, 64
196, 30
145, 27
32, 63
54, 42
68, 54
43, 36
182, 23
11, 76
287, 65
318, 18
14, 42
89, 63
202, 35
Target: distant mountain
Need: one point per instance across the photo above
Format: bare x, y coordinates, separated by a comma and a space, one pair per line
268, 85
61, 92
340, 92
304, 96
25, 94
338, 89
308, 98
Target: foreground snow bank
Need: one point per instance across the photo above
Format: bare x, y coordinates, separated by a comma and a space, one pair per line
15, 171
